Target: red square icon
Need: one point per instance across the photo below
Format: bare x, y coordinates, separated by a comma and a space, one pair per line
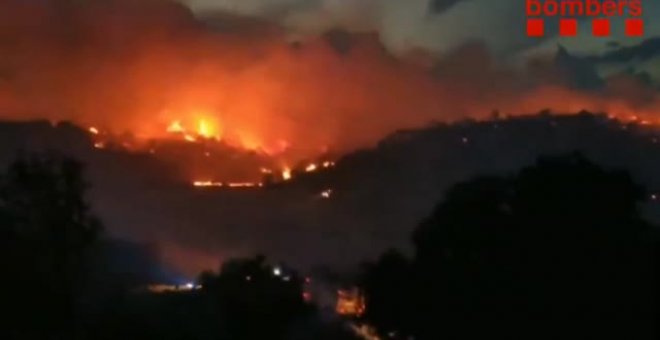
601, 27
634, 27
535, 27
568, 27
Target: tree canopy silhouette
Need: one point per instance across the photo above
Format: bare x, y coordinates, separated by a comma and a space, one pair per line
257, 300
558, 249
45, 229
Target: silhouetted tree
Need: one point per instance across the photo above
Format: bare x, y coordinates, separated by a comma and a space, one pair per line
388, 283
257, 300
559, 250
45, 229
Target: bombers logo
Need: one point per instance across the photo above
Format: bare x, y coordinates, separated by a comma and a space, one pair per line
599, 11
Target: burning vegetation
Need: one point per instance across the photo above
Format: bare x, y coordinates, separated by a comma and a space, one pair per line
350, 302
255, 88
209, 159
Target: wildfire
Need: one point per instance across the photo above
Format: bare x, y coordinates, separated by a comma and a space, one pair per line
175, 127
234, 185
350, 302
204, 128
286, 174
314, 166
245, 185
207, 184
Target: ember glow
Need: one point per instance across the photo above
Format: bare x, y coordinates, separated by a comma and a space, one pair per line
286, 174
245, 185
207, 184
235, 185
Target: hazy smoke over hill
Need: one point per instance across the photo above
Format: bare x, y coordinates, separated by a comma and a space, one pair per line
136, 66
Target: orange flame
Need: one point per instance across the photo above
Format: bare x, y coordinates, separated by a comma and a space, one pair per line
175, 127
205, 128
207, 184
286, 174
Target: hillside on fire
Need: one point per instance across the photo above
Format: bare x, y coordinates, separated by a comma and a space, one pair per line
337, 215
329, 169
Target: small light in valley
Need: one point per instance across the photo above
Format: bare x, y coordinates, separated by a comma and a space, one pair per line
94, 130
277, 271
326, 193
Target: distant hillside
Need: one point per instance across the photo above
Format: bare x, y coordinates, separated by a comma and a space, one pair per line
342, 215
392, 186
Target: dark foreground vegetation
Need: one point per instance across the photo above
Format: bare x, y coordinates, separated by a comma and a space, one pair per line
557, 251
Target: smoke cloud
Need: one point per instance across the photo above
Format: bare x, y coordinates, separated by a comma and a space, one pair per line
270, 73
